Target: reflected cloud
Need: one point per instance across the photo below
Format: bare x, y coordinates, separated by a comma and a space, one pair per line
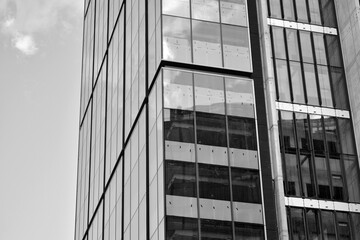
24, 21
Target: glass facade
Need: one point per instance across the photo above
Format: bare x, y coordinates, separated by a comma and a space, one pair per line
174, 129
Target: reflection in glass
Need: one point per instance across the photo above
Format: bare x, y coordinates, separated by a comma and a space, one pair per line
288, 132
322, 178
315, 16
236, 47
180, 179
279, 42
179, 8
339, 87
210, 129
209, 93
275, 8
181, 228
303, 132
239, 97
297, 224
214, 182
215, 230
328, 13
176, 39
337, 180
343, 225
325, 88
242, 133
244, 231
352, 177
178, 90
319, 46
301, 10
312, 219
306, 176
292, 176
233, 12
179, 125
205, 10
245, 185
289, 13
306, 46
328, 225
282, 78
332, 138
292, 44
334, 51
297, 82
206, 43
346, 136
311, 86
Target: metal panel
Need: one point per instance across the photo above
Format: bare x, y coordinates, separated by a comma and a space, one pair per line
328, 205
248, 213
180, 151
181, 206
212, 155
311, 203
215, 209
244, 158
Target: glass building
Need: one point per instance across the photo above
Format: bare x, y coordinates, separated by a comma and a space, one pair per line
219, 119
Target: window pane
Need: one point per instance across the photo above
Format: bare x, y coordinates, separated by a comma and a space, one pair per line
328, 225
206, 43
288, 132
339, 87
303, 132
279, 42
332, 138
179, 8
311, 86
297, 224
306, 47
355, 217
210, 129
242, 133
293, 44
337, 180
328, 13
214, 182
245, 231
322, 178
315, 15
346, 136
301, 10
317, 134
233, 12
215, 230
239, 97
292, 176
245, 185
343, 225
297, 82
180, 179
282, 78
176, 39
313, 224
334, 51
178, 90
306, 176
352, 176
236, 47
288, 6
181, 228
325, 88
205, 10
319, 46
179, 125
209, 93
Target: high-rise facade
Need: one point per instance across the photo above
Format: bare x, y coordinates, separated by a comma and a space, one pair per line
219, 119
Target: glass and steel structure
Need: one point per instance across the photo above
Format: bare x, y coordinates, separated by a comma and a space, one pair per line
215, 119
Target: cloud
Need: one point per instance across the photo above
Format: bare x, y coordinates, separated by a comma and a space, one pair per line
25, 22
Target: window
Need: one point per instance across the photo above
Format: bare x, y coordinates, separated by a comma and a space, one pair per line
242, 133
179, 125
214, 182
205, 10
245, 185
181, 228
180, 178
233, 12
215, 230
179, 8
210, 129
244, 231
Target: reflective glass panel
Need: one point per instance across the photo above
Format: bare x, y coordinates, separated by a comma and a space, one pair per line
292, 175
206, 43
333, 50
339, 88
233, 12
346, 136
288, 132
178, 89
179, 125
180, 179
352, 177
210, 129
301, 11
343, 226
236, 47
328, 13
245, 231
179, 8
297, 224
317, 134
239, 97
297, 82
322, 178
328, 225
282, 78
288, 7
275, 8
311, 86
306, 176
313, 224
292, 44
176, 39
279, 42
324, 84
242, 133
319, 46
315, 16
214, 182
181, 228
306, 46
303, 132
205, 10
212, 229
245, 185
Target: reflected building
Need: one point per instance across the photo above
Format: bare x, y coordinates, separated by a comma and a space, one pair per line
219, 119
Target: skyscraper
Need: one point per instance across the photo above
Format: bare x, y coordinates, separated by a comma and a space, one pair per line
219, 119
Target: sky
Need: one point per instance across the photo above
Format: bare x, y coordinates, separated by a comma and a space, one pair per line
40, 73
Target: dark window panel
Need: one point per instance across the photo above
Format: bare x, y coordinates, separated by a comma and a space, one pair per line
181, 228
210, 129
297, 224
245, 185
322, 176
282, 77
355, 224
242, 133
325, 87
328, 225
328, 13
332, 138
339, 88
352, 176
337, 180
303, 132
333, 50
306, 176
288, 132
319, 46
214, 182
180, 178
292, 176
343, 226
215, 230
179, 125
245, 231
313, 227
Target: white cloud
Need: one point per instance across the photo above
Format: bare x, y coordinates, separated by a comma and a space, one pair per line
27, 21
